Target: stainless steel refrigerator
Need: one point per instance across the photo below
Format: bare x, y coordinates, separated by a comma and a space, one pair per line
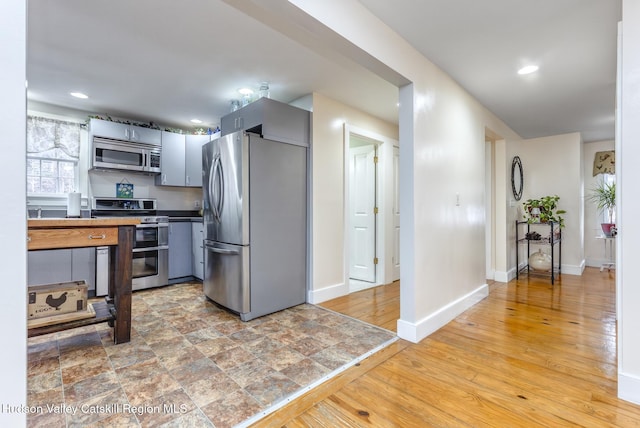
255, 223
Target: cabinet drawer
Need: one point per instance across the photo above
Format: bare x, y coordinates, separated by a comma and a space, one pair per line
69, 238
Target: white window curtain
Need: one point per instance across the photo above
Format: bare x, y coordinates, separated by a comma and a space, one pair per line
53, 139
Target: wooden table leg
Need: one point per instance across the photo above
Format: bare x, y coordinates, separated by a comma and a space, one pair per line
121, 285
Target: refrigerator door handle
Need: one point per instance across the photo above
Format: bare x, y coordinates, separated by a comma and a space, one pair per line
218, 177
213, 175
210, 189
222, 251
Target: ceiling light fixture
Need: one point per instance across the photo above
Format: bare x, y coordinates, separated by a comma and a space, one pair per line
79, 95
245, 91
196, 121
528, 69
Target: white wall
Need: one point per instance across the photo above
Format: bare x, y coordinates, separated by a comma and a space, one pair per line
553, 166
594, 249
442, 130
628, 205
328, 196
13, 229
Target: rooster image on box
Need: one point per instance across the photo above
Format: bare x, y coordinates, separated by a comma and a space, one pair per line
57, 302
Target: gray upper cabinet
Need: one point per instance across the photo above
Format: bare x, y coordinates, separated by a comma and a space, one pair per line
173, 160
123, 131
193, 159
273, 120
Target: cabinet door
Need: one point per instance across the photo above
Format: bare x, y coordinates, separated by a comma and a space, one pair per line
173, 160
193, 159
180, 260
48, 267
247, 117
83, 266
107, 129
197, 234
150, 136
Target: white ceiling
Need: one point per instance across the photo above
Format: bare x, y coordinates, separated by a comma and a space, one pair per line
169, 61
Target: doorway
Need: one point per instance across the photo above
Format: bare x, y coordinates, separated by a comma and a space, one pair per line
363, 211
372, 214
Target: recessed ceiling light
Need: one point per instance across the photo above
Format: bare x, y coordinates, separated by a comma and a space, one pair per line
528, 69
245, 91
196, 121
79, 95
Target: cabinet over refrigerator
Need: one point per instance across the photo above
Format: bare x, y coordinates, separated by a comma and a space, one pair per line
255, 223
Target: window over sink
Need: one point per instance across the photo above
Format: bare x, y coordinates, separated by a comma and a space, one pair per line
53, 152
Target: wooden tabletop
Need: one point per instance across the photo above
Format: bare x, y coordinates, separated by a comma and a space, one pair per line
36, 223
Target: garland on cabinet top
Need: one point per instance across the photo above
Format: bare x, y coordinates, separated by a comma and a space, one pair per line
151, 125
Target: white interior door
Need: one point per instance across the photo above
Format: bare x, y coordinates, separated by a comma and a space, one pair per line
396, 214
362, 184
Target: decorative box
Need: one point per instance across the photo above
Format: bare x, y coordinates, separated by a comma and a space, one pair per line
56, 299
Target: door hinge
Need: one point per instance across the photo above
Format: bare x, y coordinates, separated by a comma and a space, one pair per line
375, 210
375, 159
375, 260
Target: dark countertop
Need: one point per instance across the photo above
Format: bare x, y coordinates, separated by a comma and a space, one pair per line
179, 213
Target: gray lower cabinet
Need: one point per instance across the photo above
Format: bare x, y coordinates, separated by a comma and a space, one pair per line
180, 243
197, 233
54, 266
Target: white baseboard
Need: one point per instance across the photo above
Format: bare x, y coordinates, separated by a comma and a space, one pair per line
501, 276
423, 328
327, 293
573, 269
629, 388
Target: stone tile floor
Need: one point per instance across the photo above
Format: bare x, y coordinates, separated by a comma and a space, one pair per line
189, 363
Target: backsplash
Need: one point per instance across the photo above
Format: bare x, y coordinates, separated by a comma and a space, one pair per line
103, 184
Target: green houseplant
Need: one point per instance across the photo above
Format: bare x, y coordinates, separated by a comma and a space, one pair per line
604, 196
548, 210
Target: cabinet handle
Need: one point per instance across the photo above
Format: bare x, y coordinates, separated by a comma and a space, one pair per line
28, 239
103, 236
188, 180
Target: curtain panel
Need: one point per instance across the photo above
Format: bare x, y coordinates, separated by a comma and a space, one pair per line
53, 139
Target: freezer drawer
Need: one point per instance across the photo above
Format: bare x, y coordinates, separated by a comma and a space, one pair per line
227, 275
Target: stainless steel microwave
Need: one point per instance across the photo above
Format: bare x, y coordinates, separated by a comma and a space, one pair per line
125, 155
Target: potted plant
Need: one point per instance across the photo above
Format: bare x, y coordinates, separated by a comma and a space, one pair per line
543, 210
604, 196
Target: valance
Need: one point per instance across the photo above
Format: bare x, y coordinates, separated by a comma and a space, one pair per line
604, 163
50, 138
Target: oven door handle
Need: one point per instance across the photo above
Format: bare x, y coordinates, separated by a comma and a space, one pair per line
151, 226
142, 250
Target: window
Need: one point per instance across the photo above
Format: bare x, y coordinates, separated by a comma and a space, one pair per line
53, 149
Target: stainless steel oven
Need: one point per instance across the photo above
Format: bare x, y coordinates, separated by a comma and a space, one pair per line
150, 267
150, 255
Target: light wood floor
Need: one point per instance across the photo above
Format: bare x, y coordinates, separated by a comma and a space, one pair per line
529, 355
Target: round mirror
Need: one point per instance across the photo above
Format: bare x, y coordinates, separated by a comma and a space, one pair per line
517, 181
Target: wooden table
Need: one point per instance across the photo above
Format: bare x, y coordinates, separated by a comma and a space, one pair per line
119, 235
